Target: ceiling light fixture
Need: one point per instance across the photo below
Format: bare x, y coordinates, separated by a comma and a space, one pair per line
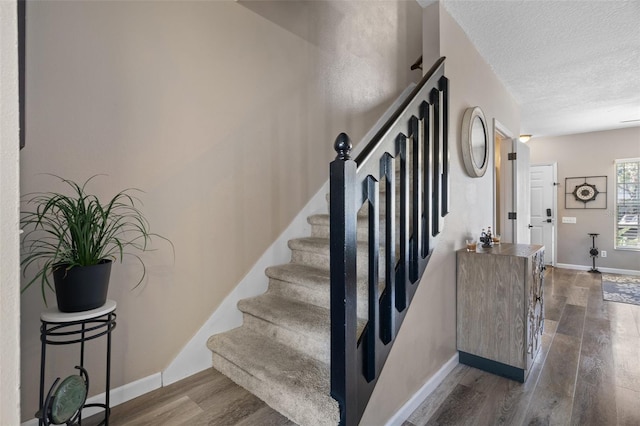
525, 138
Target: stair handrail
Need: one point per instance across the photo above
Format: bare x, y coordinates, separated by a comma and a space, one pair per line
356, 362
417, 65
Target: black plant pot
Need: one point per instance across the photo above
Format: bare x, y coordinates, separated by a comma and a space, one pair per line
82, 288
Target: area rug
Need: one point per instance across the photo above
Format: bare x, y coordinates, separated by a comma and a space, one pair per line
621, 288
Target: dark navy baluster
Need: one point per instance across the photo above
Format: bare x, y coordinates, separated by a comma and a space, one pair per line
417, 199
434, 100
343, 246
373, 325
388, 298
402, 276
427, 159
443, 85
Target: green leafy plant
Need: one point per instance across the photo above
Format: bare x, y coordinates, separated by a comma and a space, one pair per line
78, 230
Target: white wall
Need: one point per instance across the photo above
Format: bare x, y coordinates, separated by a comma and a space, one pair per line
589, 154
9, 195
427, 338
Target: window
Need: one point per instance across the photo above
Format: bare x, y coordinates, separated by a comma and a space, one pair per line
627, 203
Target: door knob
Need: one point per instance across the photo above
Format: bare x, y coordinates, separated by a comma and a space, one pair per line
530, 226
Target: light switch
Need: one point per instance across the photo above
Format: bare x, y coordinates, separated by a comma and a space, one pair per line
568, 219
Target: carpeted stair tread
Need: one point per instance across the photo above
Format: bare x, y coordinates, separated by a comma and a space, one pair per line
312, 244
309, 321
301, 282
288, 313
290, 382
315, 252
300, 274
310, 285
319, 245
323, 220
320, 226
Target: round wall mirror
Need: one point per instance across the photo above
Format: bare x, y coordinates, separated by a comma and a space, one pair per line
475, 142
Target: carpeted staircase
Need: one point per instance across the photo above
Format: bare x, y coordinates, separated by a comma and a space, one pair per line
281, 352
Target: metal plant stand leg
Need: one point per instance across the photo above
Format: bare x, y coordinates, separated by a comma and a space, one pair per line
60, 328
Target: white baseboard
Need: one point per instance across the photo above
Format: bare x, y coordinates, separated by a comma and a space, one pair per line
414, 402
117, 396
195, 356
599, 268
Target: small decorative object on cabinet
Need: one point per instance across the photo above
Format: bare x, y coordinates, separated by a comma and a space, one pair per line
486, 238
61, 328
500, 308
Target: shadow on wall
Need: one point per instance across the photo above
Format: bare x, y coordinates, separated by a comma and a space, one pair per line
334, 26
304, 19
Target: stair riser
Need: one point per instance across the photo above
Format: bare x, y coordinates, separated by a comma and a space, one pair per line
316, 295
311, 344
273, 395
324, 231
321, 260
383, 213
319, 296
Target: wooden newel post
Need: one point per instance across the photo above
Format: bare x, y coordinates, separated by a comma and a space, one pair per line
343, 246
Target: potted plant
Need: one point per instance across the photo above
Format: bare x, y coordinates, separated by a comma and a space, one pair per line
75, 238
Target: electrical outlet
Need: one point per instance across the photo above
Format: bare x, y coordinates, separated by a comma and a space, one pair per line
603, 253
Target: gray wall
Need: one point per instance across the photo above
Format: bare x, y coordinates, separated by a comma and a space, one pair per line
224, 112
589, 154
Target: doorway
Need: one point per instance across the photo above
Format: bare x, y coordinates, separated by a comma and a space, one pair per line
511, 187
544, 198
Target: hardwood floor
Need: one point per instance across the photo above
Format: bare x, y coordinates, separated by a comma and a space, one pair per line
587, 373
207, 398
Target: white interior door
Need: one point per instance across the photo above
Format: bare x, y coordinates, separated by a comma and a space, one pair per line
543, 209
507, 225
512, 190
522, 193
514, 194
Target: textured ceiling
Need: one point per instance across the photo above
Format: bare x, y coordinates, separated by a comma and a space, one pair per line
573, 66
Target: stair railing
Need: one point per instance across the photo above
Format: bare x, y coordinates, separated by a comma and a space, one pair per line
414, 141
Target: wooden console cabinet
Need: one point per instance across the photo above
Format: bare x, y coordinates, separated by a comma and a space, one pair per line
500, 312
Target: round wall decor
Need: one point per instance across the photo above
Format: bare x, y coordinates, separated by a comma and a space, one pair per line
475, 142
585, 192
